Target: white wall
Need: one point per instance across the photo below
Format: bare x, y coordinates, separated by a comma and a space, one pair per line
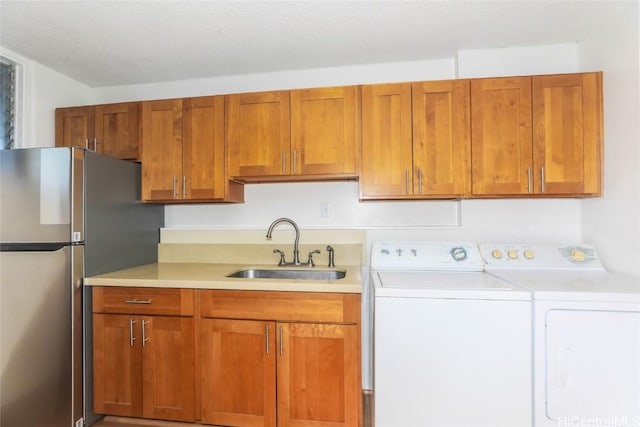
613, 221
43, 90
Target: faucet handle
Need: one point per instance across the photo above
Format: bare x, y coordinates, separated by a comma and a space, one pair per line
278, 251
310, 262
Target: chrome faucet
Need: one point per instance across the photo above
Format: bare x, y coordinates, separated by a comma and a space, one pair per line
296, 256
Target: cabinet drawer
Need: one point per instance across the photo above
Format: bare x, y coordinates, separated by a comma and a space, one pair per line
285, 306
169, 301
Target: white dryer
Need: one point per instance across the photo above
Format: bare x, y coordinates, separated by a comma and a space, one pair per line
452, 345
586, 331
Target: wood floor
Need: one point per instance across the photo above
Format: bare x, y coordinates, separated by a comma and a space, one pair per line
367, 400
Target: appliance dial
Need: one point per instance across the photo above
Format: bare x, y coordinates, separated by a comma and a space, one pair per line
496, 254
459, 253
528, 254
577, 255
513, 254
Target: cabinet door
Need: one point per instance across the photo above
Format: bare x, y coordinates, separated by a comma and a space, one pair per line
117, 130
203, 160
162, 150
238, 372
501, 150
75, 127
386, 141
117, 362
318, 375
567, 136
168, 359
258, 134
441, 137
324, 136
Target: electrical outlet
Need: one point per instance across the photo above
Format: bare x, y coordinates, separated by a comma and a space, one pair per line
324, 210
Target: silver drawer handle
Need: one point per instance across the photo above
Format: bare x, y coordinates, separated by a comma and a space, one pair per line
138, 301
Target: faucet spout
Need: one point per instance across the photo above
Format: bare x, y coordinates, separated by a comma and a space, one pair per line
296, 255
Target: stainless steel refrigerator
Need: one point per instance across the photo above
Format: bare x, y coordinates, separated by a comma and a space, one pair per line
65, 213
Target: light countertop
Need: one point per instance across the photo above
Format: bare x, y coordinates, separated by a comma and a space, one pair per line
213, 276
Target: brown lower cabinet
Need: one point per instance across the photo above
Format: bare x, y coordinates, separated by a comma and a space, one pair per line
262, 358
280, 358
144, 360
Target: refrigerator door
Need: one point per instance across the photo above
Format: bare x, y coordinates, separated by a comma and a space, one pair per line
38, 188
41, 338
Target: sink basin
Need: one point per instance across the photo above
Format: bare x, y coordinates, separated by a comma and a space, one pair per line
298, 274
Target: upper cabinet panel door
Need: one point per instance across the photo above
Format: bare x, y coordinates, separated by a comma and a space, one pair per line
501, 149
162, 150
117, 130
324, 131
386, 141
75, 127
203, 161
441, 137
567, 135
258, 134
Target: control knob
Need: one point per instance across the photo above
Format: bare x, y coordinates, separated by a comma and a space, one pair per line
459, 253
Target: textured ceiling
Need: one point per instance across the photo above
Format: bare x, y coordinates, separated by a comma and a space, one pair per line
105, 43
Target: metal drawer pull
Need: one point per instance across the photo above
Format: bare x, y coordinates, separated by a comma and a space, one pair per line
138, 301
542, 179
267, 332
131, 337
281, 340
144, 335
528, 180
175, 184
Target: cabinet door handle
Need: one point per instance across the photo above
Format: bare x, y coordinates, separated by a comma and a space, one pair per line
281, 340
267, 330
406, 180
528, 180
184, 186
284, 162
95, 144
131, 337
138, 301
420, 181
295, 161
175, 184
86, 143
542, 179
144, 335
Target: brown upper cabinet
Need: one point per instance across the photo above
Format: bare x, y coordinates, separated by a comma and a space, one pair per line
183, 157
293, 135
415, 140
539, 135
109, 129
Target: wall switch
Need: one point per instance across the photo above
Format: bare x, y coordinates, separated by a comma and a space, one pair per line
324, 210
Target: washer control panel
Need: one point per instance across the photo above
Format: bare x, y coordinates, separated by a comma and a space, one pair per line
540, 256
426, 256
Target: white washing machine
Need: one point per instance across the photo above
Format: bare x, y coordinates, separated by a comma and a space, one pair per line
452, 345
586, 333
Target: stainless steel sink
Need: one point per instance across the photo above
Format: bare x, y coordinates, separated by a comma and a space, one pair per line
297, 274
